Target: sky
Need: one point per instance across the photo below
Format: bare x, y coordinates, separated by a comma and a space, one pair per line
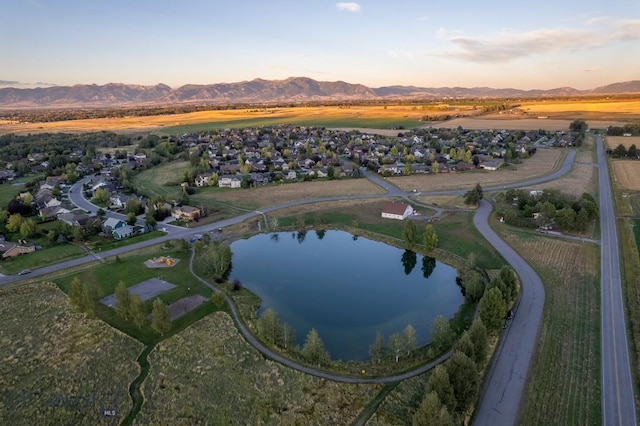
426, 43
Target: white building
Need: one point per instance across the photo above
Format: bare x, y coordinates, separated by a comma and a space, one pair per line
398, 211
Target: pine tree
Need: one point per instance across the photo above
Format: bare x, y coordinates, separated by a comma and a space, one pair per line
137, 311
478, 335
493, 308
313, 350
430, 238
463, 374
431, 412
440, 384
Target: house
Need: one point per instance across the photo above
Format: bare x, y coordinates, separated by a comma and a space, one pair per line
112, 224
202, 180
75, 219
231, 181
54, 211
186, 213
9, 249
123, 232
489, 165
397, 210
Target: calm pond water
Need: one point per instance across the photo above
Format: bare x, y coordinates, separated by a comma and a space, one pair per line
345, 287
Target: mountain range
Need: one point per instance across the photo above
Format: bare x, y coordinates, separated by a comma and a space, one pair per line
259, 91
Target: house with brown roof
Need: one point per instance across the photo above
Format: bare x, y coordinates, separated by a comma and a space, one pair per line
9, 249
396, 210
186, 213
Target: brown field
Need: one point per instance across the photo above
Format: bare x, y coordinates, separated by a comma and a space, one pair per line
58, 366
446, 201
208, 374
626, 174
540, 164
582, 177
613, 141
272, 195
618, 106
564, 380
511, 123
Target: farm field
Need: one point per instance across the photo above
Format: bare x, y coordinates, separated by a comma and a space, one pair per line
541, 163
564, 379
58, 366
626, 174
209, 372
585, 109
512, 123
612, 142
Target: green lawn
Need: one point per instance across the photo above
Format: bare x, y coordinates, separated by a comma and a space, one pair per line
163, 179
39, 258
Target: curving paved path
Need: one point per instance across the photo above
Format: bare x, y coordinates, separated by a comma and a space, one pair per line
507, 375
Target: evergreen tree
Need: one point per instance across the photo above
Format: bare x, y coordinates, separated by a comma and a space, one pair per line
431, 412
463, 374
479, 338
410, 233
430, 238
465, 345
440, 384
123, 301
441, 334
269, 327
493, 309
313, 350
473, 287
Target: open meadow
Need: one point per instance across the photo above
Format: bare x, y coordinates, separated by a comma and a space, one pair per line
626, 174
543, 162
58, 366
592, 109
208, 374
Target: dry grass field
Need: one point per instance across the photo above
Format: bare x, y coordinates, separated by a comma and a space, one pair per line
518, 123
623, 108
626, 174
208, 374
613, 141
540, 164
59, 367
564, 380
273, 195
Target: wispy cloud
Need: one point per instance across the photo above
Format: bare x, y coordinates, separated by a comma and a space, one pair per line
348, 7
508, 45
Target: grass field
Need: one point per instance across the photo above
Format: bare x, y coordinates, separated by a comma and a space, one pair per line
542, 163
564, 379
208, 374
163, 179
613, 141
626, 174
59, 367
43, 257
586, 109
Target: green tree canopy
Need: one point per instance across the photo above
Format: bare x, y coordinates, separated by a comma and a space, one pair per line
123, 301
137, 310
430, 238
463, 374
479, 338
313, 350
493, 308
431, 412
442, 335
410, 233
440, 384
161, 317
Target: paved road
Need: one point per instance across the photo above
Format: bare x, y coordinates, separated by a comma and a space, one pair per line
508, 372
618, 401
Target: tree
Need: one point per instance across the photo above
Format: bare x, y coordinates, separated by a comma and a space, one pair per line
632, 152
440, 384
88, 299
313, 350
14, 222
465, 345
410, 233
620, 151
288, 336
150, 221
29, 228
217, 298
131, 218
432, 412
473, 196
430, 238
510, 280
396, 345
478, 336
132, 206
493, 308
579, 126
269, 327
409, 337
101, 196
409, 260
161, 317
435, 168
441, 334
137, 310
473, 287
377, 349
463, 374
428, 266
123, 301
216, 259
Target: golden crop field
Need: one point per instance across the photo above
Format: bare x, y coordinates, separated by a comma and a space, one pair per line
512, 123
541, 163
622, 107
626, 141
626, 174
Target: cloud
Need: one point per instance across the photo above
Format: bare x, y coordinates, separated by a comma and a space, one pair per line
348, 7
508, 45
591, 69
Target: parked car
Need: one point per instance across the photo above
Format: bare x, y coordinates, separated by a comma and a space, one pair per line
24, 272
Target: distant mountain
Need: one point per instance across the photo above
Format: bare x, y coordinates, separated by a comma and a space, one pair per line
294, 89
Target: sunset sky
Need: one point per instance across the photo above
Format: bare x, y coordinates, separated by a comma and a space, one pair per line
426, 43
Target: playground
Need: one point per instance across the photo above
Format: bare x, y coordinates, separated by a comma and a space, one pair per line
161, 262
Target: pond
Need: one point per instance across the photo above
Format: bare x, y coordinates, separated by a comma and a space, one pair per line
345, 287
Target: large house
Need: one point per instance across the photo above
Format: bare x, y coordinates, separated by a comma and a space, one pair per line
229, 182
397, 210
186, 213
111, 224
9, 249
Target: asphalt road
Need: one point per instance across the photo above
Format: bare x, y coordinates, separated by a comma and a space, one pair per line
508, 372
618, 400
